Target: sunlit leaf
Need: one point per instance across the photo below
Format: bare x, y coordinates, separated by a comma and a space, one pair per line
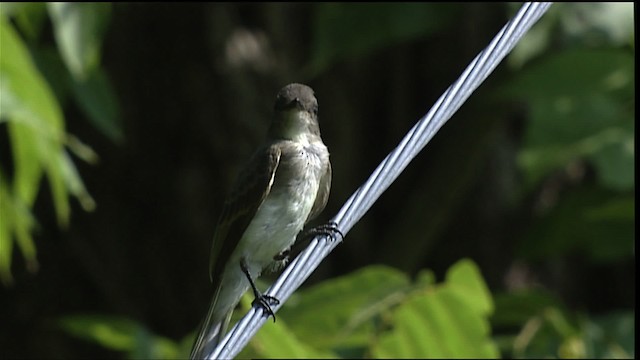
466, 280
36, 123
277, 340
599, 23
35, 128
36, 131
78, 28
338, 312
450, 321
16, 221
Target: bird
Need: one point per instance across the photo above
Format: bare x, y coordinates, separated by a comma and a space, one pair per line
283, 186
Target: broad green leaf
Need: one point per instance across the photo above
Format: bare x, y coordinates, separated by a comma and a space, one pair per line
348, 30
339, 312
277, 340
442, 322
78, 28
466, 280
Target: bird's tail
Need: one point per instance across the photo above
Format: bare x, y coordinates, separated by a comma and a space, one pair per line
212, 330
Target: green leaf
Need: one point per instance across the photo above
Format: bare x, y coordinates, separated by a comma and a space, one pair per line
35, 121
97, 99
36, 131
537, 39
108, 331
277, 340
16, 221
337, 313
599, 23
448, 321
29, 16
73, 182
94, 94
6, 229
466, 280
349, 30
581, 106
121, 334
552, 332
78, 28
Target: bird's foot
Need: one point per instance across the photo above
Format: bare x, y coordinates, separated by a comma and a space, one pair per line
266, 301
330, 229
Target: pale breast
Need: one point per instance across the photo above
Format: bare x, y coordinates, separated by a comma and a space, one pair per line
283, 213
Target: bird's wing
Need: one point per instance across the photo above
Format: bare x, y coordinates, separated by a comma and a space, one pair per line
323, 194
249, 192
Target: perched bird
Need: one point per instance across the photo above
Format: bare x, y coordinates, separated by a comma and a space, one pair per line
285, 184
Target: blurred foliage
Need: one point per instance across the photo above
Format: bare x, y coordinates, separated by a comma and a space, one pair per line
374, 312
564, 221
579, 223
124, 335
547, 329
33, 88
350, 31
574, 116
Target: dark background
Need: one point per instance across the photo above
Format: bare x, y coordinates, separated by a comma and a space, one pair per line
194, 105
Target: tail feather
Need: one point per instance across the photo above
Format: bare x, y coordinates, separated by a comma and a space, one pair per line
212, 331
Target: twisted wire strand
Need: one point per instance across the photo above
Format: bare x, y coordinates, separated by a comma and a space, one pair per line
388, 170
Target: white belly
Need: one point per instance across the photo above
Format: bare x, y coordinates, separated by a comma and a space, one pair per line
273, 229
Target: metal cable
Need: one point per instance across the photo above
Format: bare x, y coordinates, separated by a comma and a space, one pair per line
390, 168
